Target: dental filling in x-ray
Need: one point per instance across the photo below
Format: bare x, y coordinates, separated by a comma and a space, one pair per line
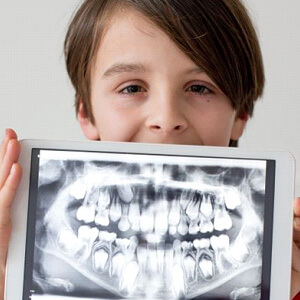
135, 226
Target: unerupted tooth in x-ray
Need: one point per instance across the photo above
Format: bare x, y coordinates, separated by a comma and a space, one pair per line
100, 259
147, 220
178, 280
189, 266
104, 199
67, 240
102, 218
86, 213
125, 192
118, 262
206, 267
115, 211
222, 220
239, 251
129, 275
206, 206
183, 227
193, 228
206, 225
174, 215
232, 198
192, 209
78, 190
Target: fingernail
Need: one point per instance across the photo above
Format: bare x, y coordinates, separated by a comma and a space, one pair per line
6, 133
297, 222
4, 136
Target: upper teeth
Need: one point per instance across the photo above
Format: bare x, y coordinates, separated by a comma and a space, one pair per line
222, 219
161, 219
86, 213
147, 220
115, 211
206, 206
192, 209
174, 215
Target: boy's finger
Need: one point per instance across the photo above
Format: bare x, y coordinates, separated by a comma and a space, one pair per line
11, 157
297, 223
297, 207
296, 258
8, 193
9, 134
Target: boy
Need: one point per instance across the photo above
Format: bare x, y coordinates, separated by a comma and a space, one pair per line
158, 72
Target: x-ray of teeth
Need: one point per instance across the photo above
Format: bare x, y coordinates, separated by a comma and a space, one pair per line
149, 229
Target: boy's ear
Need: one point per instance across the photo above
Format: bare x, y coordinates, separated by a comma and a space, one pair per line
239, 126
90, 131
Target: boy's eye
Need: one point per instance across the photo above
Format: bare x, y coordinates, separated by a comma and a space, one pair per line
196, 88
200, 89
132, 89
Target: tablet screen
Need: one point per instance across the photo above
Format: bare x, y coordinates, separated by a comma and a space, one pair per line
134, 226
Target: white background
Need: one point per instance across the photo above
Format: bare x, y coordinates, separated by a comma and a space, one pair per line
36, 96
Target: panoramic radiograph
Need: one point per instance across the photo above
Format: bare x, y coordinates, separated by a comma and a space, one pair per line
154, 228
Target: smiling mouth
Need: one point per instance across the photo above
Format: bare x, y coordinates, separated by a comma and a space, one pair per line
148, 234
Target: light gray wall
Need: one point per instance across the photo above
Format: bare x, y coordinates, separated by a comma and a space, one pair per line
37, 99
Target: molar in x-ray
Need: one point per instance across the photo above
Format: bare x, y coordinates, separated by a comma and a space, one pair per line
149, 230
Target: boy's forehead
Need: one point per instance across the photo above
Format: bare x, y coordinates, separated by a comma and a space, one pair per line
132, 38
129, 17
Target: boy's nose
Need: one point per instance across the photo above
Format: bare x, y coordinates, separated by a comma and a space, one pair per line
167, 120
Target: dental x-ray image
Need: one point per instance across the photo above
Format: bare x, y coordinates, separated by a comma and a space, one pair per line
125, 226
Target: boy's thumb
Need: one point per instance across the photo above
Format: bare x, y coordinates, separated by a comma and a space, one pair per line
296, 258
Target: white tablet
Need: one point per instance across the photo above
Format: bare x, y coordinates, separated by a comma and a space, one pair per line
95, 220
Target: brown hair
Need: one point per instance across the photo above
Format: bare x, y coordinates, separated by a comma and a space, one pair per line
217, 35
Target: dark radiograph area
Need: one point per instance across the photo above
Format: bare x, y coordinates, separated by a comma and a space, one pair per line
149, 229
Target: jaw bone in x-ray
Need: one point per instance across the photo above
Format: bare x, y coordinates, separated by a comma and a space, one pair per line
149, 230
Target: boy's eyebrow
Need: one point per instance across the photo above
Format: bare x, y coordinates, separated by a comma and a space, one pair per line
124, 68
137, 68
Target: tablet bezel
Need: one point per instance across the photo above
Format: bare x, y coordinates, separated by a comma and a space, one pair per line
283, 203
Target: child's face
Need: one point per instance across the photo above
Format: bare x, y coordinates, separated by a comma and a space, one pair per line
145, 89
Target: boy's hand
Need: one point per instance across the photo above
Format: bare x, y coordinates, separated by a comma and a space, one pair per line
295, 286
10, 176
